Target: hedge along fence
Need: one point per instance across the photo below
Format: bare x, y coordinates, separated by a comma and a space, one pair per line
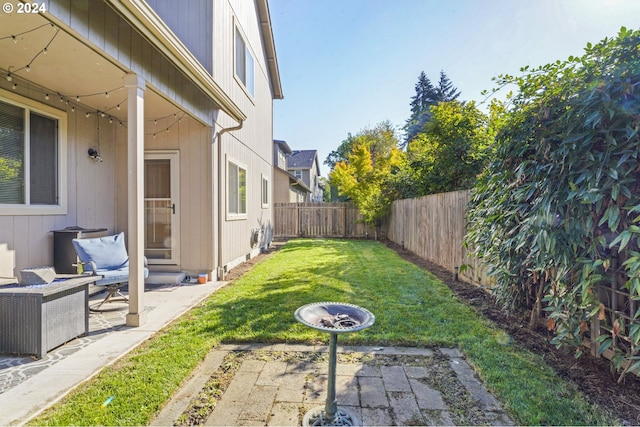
433, 227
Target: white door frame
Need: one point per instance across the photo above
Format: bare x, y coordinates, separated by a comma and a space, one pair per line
174, 164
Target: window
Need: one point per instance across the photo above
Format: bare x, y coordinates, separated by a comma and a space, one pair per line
31, 158
265, 192
237, 183
297, 174
244, 63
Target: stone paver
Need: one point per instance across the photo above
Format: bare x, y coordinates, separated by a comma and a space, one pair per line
372, 392
376, 417
467, 377
347, 390
426, 397
258, 404
405, 408
394, 378
273, 373
225, 413
284, 414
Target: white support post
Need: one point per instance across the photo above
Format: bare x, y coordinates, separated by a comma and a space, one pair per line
135, 207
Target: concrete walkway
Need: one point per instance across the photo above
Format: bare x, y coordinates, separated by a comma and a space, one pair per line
28, 386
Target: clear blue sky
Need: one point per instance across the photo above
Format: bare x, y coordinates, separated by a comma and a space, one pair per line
350, 64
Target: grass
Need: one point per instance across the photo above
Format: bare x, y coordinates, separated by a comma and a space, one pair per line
411, 306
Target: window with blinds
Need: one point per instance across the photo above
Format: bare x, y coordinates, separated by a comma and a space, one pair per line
29, 157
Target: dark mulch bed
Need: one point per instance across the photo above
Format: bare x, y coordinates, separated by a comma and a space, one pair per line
592, 376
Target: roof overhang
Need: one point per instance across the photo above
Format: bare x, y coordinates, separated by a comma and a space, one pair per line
283, 144
148, 23
270, 48
293, 181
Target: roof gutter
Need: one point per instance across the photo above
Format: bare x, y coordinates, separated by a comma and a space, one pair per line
269, 47
221, 272
144, 19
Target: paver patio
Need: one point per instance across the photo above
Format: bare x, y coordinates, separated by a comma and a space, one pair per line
267, 391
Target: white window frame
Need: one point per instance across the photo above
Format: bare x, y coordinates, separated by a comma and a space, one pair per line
30, 105
297, 173
243, 59
236, 215
265, 193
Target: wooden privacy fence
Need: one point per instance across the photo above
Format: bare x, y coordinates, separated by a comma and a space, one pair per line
433, 227
319, 220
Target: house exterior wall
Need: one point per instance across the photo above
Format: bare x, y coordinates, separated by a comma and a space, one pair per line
252, 145
97, 191
280, 187
191, 22
28, 239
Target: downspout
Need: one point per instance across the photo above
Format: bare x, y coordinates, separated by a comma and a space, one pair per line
220, 272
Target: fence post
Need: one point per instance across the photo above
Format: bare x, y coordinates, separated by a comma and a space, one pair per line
344, 220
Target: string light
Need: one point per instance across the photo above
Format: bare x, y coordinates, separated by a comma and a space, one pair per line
10, 76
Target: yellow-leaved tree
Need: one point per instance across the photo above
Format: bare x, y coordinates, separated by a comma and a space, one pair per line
365, 175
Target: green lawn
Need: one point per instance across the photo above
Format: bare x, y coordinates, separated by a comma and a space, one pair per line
411, 306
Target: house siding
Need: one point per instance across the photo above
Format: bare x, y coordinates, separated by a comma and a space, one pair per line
191, 22
97, 191
252, 145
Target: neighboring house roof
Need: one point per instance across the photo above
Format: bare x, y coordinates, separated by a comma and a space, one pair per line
301, 159
283, 146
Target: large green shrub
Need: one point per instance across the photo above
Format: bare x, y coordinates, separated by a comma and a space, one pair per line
562, 197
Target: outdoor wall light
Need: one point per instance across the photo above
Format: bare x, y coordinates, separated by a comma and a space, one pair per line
93, 154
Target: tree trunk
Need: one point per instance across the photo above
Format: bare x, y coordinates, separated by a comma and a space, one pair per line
536, 310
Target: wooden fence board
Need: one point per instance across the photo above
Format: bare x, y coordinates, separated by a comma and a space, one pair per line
433, 227
319, 220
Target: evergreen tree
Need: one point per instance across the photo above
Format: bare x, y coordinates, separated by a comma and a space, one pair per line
446, 91
427, 95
